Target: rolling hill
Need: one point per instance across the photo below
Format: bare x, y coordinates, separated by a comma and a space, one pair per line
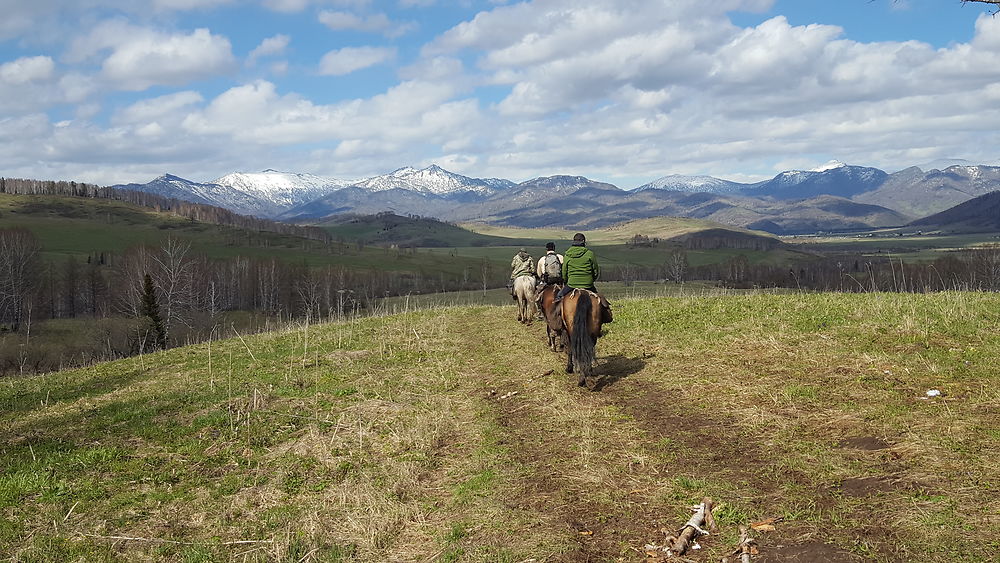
980, 214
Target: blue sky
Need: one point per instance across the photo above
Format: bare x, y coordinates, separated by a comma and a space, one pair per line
624, 91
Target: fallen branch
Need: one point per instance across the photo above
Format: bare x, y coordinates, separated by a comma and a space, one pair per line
693, 528
746, 549
747, 545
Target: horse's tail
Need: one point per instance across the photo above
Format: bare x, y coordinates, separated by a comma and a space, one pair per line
582, 345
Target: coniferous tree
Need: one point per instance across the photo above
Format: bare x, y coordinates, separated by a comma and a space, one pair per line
151, 308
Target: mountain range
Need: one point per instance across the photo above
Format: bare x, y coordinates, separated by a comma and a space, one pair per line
833, 197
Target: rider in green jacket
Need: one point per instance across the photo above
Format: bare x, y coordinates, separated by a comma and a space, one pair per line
580, 268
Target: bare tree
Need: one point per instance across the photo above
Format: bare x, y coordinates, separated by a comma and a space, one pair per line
18, 273
677, 265
131, 269
173, 279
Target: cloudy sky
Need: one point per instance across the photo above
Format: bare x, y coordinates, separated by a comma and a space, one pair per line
110, 91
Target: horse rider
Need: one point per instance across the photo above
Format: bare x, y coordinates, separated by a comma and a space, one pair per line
521, 265
579, 269
550, 265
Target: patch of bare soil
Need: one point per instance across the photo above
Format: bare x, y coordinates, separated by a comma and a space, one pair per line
806, 552
866, 443
600, 530
865, 486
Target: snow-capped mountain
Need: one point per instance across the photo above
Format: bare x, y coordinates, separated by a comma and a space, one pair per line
835, 178
433, 180
918, 193
282, 190
702, 184
176, 187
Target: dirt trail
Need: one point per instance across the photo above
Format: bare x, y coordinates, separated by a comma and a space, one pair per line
599, 462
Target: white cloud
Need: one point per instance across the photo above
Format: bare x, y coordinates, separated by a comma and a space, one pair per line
271, 46
287, 6
378, 22
168, 107
349, 59
185, 5
138, 62
28, 84
27, 69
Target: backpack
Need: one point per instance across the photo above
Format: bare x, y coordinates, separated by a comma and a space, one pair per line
552, 268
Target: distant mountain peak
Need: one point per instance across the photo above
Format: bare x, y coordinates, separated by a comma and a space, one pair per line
432, 180
693, 184
829, 166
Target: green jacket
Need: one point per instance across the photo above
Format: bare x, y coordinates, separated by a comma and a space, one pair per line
580, 267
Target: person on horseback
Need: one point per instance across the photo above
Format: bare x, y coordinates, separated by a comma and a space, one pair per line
580, 269
550, 266
521, 265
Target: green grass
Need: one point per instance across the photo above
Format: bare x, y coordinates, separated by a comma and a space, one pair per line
386, 437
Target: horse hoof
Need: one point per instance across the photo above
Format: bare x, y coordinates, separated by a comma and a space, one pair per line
582, 382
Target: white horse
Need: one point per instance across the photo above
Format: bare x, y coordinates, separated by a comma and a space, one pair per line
524, 291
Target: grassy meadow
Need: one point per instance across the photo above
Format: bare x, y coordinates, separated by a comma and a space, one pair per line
453, 434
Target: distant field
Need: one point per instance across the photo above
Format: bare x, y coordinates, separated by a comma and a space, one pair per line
454, 435
910, 246
661, 227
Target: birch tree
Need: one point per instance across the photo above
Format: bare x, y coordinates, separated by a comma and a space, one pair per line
18, 273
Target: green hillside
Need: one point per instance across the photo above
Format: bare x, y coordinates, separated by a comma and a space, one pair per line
454, 435
83, 226
388, 228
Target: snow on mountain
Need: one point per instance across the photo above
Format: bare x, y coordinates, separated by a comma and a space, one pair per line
682, 183
835, 178
176, 187
829, 166
282, 189
433, 180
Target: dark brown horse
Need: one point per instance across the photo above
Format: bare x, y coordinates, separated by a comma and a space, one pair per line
553, 316
583, 313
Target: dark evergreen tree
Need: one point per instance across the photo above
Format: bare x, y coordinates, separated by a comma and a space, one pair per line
151, 308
